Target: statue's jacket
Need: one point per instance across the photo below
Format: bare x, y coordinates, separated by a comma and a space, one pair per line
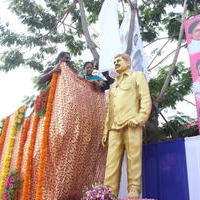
129, 99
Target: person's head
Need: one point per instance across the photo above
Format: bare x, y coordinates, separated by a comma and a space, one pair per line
88, 68
122, 62
194, 30
64, 57
198, 66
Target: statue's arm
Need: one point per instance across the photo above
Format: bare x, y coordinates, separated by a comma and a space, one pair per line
106, 128
145, 99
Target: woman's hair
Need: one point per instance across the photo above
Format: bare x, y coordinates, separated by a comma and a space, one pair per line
86, 63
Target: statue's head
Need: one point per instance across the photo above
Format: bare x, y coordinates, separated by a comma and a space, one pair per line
122, 62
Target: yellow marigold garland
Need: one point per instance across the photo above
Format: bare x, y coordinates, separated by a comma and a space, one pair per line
3, 133
7, 159
47, 121
27, 175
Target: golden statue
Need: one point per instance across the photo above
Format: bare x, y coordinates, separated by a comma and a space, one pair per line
129, 107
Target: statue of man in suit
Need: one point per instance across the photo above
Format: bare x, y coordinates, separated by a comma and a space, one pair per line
129, 107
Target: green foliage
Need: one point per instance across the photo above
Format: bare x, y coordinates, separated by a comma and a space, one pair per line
179, 126
54, 23
154, 17
180, 85
11, 59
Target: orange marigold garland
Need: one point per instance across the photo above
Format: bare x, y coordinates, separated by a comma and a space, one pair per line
27, 175
22, 143
3, 133
21, 147
47, 121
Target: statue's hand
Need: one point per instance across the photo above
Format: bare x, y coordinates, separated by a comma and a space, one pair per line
132, 123
104, 140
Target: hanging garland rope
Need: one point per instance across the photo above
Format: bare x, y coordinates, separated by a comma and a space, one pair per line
11, 141
27, 175
3, 133
21, 147
22, 143
47, 121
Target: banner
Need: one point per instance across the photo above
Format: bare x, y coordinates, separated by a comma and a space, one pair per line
192, 32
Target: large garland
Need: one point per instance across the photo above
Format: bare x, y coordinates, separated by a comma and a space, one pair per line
22, 143
3, 133
6, 162
47, 121
27, 176
21, 146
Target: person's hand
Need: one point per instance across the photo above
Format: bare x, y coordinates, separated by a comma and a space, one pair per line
101, 83
56, 69
97, 84
104, 140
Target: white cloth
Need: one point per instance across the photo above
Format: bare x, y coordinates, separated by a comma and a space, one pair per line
137, 55
98, 73
194, 46
192, 150
110, 44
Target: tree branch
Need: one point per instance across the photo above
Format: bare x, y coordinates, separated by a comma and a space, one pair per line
62, 19
91, 45
133, 7
173, 130
173, 65
158, 53
155, 41
189, 102
165, 58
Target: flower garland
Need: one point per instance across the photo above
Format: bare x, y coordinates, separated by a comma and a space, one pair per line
11, 186
27, 175
21, 146
20, 116
3, 133
11, 141
41, 102
47, 121
1, 125
22, 143
99, 192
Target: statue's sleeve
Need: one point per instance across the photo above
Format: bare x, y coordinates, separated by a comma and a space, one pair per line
144, 98
106, 122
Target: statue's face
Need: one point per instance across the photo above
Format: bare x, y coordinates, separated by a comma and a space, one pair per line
121, 64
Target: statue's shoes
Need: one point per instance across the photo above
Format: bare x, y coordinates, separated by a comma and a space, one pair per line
134, 194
